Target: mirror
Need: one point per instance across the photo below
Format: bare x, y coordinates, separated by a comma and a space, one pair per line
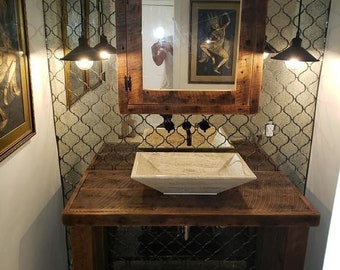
189, 52
214, 50
78, 82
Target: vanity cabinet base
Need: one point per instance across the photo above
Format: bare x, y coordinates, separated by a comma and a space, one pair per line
271, 204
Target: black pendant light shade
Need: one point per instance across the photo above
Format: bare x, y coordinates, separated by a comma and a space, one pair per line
104, 46
84, 55
83, 51
269, 48
296, 52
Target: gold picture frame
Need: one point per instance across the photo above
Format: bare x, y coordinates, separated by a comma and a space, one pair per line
16, 113
214, 39
79, 82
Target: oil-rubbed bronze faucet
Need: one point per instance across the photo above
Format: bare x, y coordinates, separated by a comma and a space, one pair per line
167, 123
186, 126
204, 125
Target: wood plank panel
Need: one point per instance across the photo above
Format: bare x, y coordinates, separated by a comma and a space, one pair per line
88, 248
281, 248
113, 198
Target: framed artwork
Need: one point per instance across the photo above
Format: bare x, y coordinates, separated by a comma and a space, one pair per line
214, 38
79, 82
16, 114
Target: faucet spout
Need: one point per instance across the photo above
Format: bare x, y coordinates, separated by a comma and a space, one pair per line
186, 126
167, 123
188, 137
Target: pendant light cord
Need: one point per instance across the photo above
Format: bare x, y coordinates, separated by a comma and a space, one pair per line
100, 9
299, 20
82, 6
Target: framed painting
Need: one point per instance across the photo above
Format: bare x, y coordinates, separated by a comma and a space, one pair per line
214, 39
16, 114
79, 82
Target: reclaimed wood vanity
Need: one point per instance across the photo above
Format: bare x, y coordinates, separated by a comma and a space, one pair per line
109, 197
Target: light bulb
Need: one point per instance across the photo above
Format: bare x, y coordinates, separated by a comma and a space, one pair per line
294, 64
265, 55
104, 55
159, 32
84, 64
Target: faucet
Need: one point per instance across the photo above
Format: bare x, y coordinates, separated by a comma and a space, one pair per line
186, 126
167, 123
204, 125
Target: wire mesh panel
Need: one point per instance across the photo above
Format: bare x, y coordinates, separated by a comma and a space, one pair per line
182, 248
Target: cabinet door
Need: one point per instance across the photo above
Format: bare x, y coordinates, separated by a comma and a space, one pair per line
241, 96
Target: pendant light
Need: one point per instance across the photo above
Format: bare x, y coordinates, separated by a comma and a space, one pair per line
83, 55
104, 48
268, 48
295, 55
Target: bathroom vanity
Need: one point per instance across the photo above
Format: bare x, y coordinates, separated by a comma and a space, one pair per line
109, 197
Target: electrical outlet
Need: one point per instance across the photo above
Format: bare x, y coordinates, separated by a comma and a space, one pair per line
269, 129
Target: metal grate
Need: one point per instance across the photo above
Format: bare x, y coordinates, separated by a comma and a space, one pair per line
168, 247
93, 124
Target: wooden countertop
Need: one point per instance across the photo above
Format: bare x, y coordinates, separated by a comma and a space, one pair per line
112, 198
121, 157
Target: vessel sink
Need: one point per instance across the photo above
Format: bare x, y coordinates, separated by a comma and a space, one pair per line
188, 173
160, 138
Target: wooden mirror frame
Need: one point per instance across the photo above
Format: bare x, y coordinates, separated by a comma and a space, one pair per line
243, 100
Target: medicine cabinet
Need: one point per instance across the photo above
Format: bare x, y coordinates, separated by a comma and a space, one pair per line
212, 54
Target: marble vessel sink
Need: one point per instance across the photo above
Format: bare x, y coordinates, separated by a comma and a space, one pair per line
187, 173
162, 139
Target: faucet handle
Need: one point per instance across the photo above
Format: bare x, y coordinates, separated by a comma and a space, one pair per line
204, 125
186, 125
167, 123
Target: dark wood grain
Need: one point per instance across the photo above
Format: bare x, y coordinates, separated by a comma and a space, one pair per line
88, 248
121, 156
116, 156
281, 248
107, 198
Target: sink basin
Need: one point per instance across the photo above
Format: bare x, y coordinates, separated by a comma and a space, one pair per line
187, 173
160, 138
